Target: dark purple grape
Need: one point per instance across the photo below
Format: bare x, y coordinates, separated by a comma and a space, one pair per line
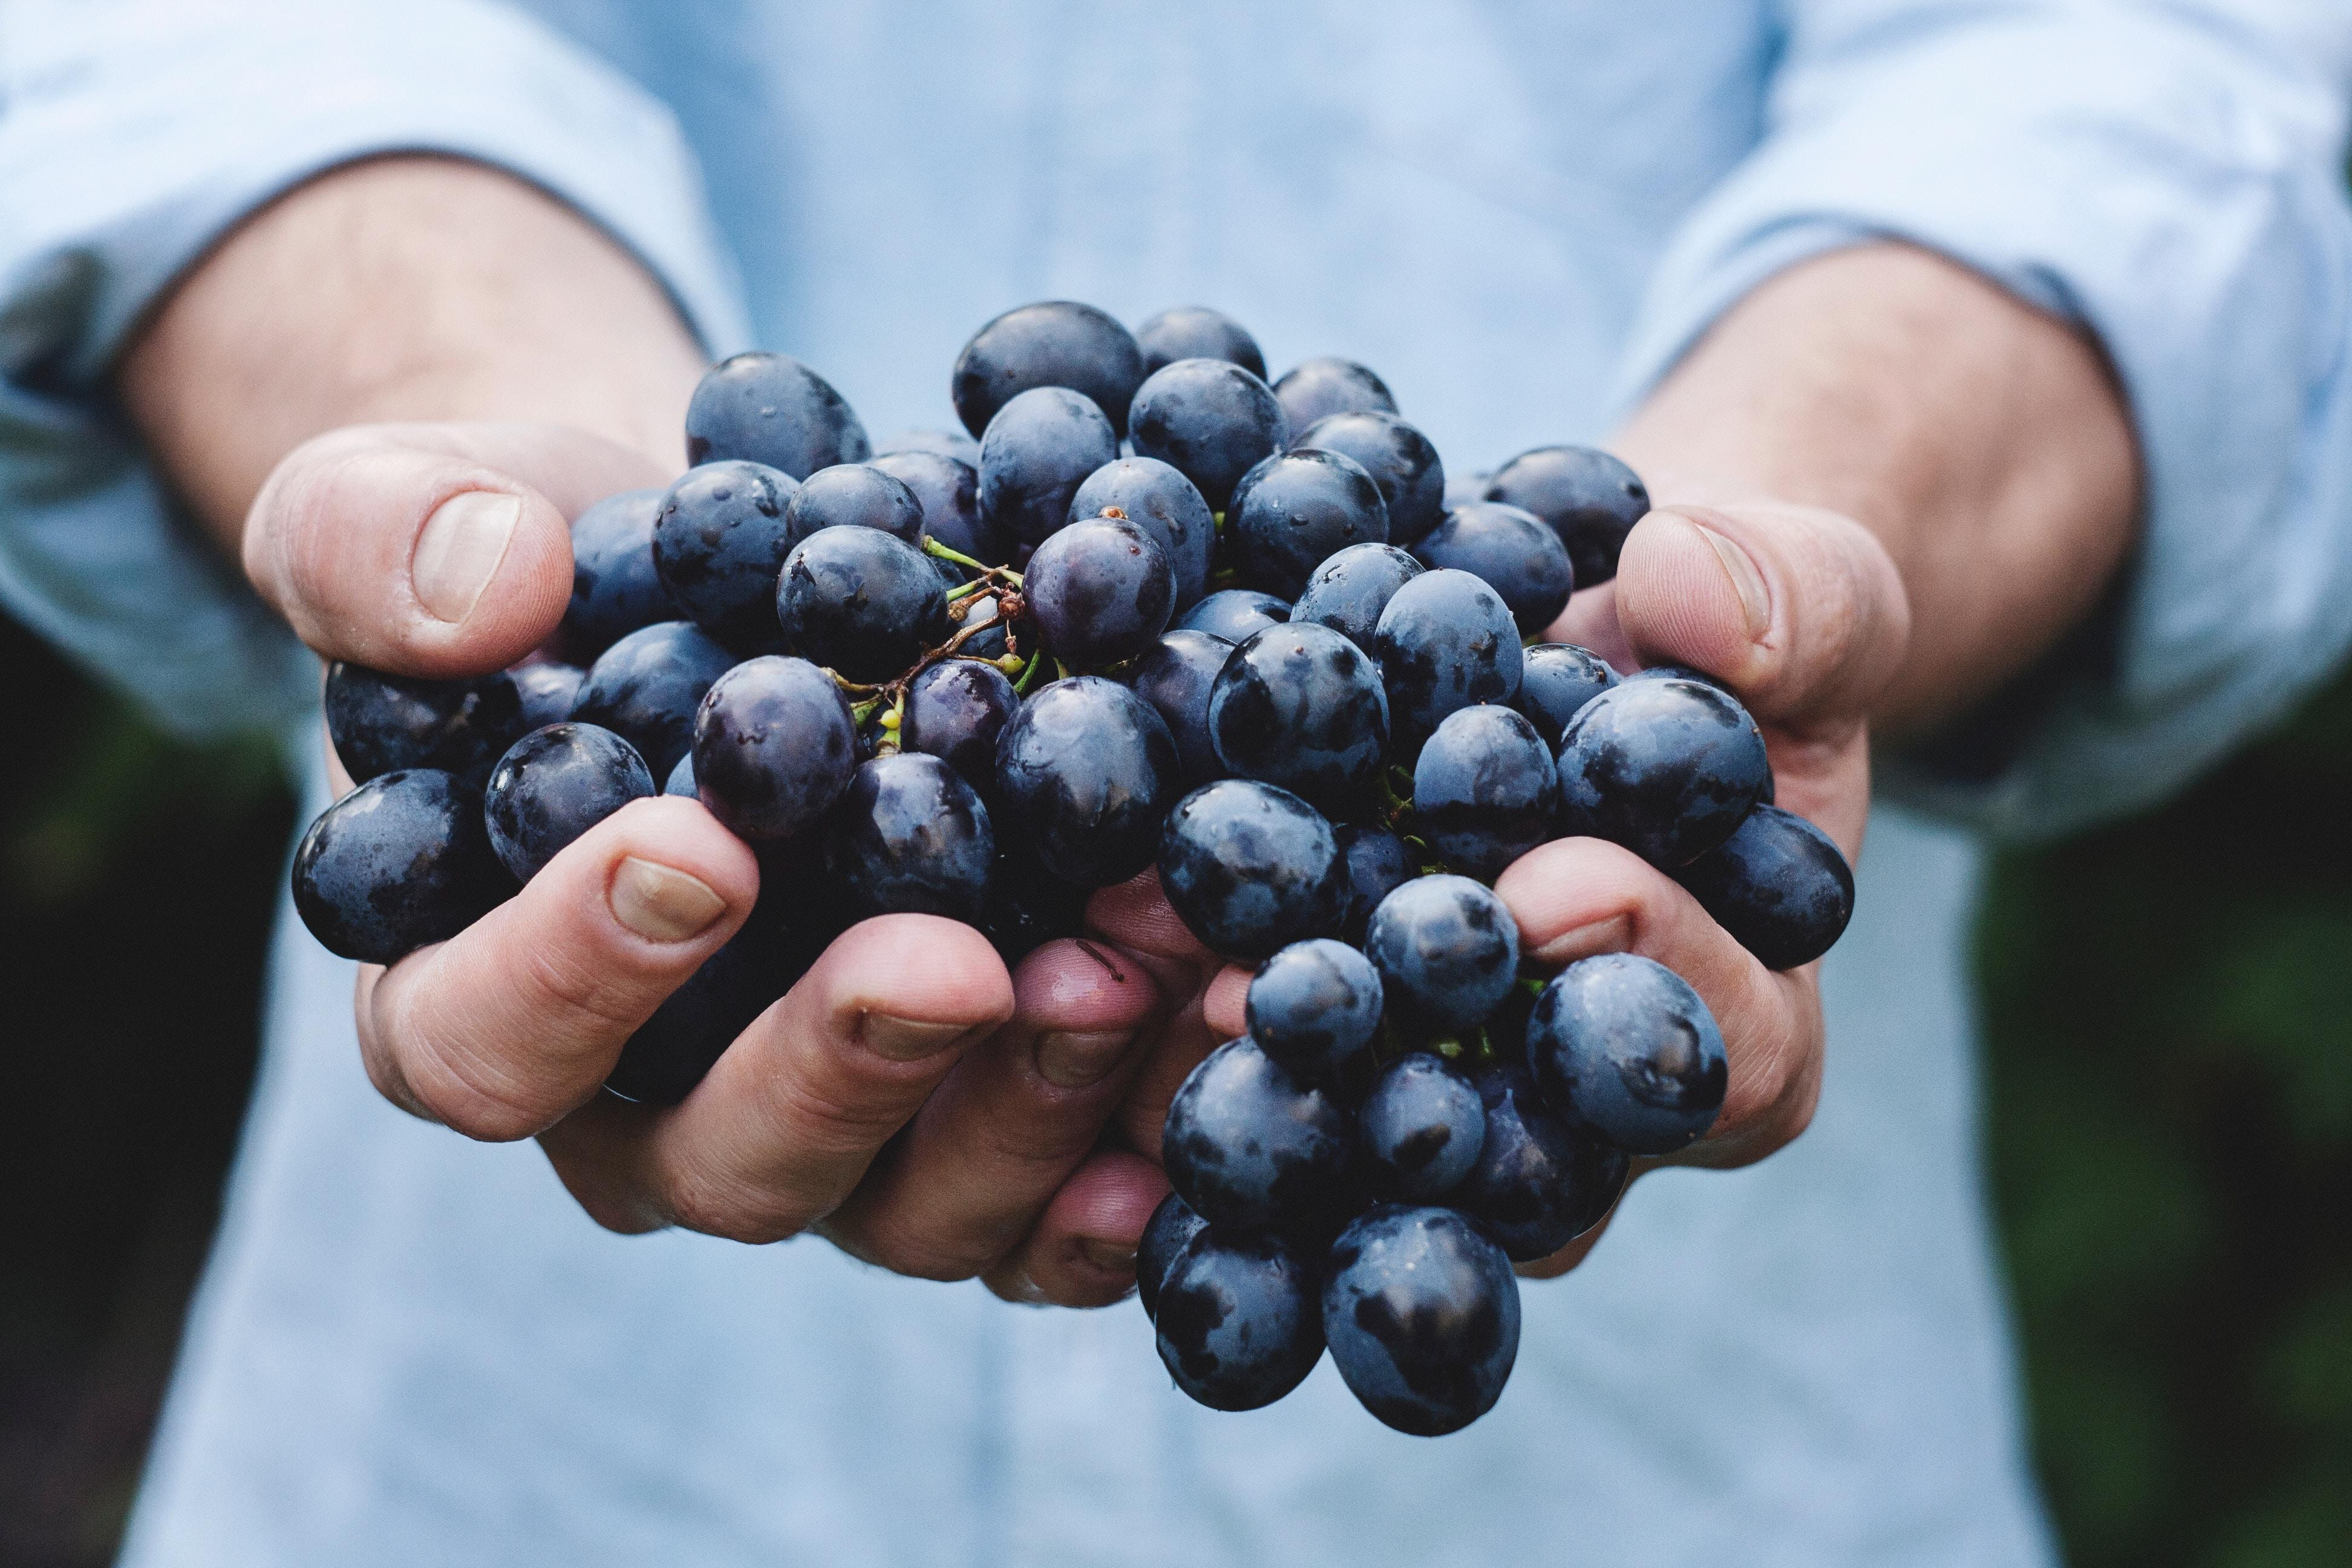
1251, 869
1054, 343
401, 862
1164, 504
615, 588
1445, 642
774, 746
1233, 613
1301, 707
1175, 675
1036, 452
381, 723
718, 541
1315, 1007
1539, 1182
1100, 591
1211, 420
553, 785
910, 837
1084, 776
1195, 332
1667, 768
1621, 1045
1512, 551
1348, 590
1296, 510
948, 490
1239, 1324
674, 1050
547, 692
770, 408
1253, 1147
1484, 789
1398, 457
981, 615
1027, 905
681, 779
955, 711
854, 495
1421, 1128
955, 444
1447, 950
1316, 389
1590, 499
1556, 680
1378, 863
1778, 885
1422, 1315
858, 601
1171, 1226
645, 688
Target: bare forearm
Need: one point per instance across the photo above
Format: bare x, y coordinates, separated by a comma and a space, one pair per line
1984, 443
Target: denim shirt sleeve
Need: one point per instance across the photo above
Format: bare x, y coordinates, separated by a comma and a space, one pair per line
133, 135
2171, 177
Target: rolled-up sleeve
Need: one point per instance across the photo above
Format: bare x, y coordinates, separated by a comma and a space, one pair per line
133, 135
2171, 177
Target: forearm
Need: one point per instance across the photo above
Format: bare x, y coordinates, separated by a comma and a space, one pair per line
1982, 441
404, 288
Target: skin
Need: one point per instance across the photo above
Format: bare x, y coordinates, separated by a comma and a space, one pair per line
1883, 485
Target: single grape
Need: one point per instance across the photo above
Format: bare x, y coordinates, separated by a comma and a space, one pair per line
770, 408
964, 448
645, 688
1445, 642
1251, 869
1421, 1128
1294, 510
1556, 680
1100, 591
1667, 768
1422, 1315
1539, 1182
1315, 1007
1484, 789
1195, 332
1447, 950
1378, 863
1164, 504
1512, 551
1622, 1044
718, 541
401, 862
681, 779
948, 490
1590, 499
615, 588
1084, 776
1037, 451
381, 723
547, 692
554, 784
1233, 613
1300, 706
955, 711
1316, 389
1171, 1227
1054, 343
774, 746
1211, 420
860, 602
1778, 885
1175, 675
1239, 1324
674, 1050
1253, 1147
854, 495
1348, 590
1400, 460
910, 837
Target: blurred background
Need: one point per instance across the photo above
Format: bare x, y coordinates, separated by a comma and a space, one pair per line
2169, 1099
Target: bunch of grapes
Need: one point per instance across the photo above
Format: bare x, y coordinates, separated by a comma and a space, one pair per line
1150, 610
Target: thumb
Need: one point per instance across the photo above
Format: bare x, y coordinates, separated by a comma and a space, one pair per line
429, 550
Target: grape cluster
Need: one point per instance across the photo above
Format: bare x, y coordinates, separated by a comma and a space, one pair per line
1148, 609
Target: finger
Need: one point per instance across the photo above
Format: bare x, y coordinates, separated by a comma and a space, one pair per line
790, 1118
1577, 896
1590, 621
1082, 1252
429, 550
1136, 915
1225, 1006
502, 1031
969, 1176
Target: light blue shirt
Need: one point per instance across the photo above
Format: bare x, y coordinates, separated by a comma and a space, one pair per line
412, 1349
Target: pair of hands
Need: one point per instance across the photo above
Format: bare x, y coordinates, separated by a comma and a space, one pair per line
910, 1100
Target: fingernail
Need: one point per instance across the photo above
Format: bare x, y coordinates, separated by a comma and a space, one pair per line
661, 904
1069, 1059
1745, 581
1108, 1255
460, 549
1614, 934
909, 1039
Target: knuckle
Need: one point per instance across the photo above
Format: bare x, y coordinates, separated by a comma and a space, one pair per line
559, 979
484, 1113
896, 1247
711, 1205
